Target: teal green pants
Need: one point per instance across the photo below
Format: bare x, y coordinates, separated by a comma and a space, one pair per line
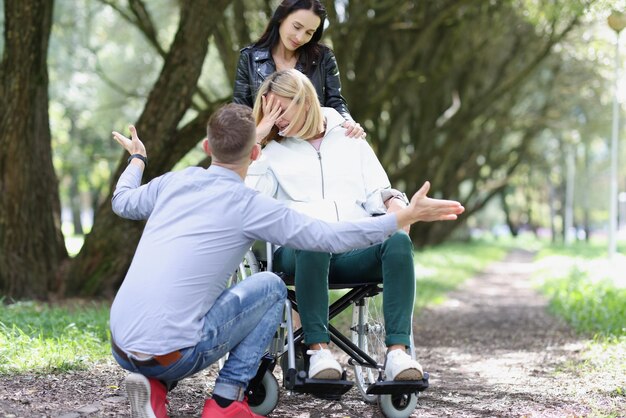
390, 263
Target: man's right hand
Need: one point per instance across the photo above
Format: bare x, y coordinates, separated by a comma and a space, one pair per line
425, 209
133, 144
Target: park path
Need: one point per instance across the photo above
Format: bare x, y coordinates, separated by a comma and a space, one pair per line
492, 350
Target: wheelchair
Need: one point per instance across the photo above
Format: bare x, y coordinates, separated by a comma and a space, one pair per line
365, 348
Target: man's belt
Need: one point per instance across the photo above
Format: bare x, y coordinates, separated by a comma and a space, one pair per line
162, 360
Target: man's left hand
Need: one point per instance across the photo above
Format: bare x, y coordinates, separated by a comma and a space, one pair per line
133, 144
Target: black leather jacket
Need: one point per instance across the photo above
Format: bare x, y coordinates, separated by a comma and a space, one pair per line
255, 64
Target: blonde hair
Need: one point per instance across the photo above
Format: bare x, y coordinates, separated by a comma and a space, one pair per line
292, 84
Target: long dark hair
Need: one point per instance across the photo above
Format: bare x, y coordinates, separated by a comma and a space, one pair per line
310, 51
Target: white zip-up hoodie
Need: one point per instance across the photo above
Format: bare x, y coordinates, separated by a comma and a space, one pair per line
342, 181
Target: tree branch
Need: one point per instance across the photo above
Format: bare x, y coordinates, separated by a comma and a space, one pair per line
145, 24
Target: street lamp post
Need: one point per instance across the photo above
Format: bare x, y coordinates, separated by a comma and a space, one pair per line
617, 22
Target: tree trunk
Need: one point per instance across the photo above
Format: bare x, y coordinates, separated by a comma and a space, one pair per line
586, 204
75, 203
31, 242
513, 226
552, 206
570, 172
102, 263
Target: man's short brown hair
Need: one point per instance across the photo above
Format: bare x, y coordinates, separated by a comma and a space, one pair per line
231, 132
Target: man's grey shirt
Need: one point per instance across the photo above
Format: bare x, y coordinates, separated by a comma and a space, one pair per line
200, 223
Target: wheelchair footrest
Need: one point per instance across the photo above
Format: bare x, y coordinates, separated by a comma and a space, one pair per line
322, 388
398, 387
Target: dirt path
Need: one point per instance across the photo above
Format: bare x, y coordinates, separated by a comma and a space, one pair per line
491, 350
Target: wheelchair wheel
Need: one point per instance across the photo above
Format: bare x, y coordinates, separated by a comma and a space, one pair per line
248, 266
265, 397
397, 406
368, 333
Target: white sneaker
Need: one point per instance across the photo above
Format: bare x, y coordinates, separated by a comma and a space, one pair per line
322, 365
400, 366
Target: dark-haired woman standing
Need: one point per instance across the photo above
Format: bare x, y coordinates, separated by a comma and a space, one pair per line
291, 40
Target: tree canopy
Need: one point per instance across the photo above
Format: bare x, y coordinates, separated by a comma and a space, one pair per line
480, 98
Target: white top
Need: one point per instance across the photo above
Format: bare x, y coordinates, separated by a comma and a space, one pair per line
343, 180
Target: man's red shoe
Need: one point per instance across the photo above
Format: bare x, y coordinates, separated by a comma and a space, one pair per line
147, 397
237, 409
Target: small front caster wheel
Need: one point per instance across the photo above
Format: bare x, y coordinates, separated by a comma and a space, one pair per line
264, 398
397, 406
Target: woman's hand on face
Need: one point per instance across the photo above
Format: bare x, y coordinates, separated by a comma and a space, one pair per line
271, 113
354, 130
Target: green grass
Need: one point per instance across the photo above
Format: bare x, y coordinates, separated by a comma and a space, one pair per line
590, 306
38, 337
585, 288
589, 292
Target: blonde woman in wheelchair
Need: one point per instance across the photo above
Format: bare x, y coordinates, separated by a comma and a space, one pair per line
308, 162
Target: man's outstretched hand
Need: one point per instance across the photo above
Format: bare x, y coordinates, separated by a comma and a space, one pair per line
133, 144
425, 209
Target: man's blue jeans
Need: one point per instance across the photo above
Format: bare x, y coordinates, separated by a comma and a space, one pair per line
241, 322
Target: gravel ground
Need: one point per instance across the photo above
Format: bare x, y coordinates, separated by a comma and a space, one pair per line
492, 350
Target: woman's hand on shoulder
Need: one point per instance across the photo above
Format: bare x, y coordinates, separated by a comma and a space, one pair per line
354, 129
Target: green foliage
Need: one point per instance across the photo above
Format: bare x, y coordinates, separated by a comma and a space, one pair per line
596, 307
43, 338
101, 69
585, 288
